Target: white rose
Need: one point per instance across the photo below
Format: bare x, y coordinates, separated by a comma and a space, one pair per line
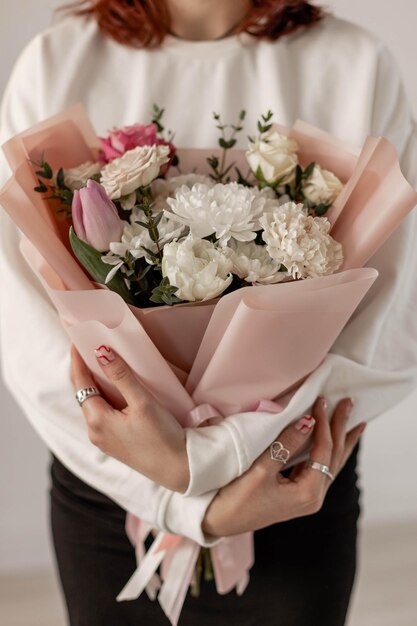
275, 155
136, 168
301, 242
77, 177
197, 268
253, 264
322, 187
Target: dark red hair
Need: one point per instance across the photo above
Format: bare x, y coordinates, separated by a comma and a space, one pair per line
144, 23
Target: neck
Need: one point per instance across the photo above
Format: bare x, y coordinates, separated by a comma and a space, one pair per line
201, 20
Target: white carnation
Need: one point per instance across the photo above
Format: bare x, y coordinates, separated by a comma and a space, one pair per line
322, 187
77, 177
136, 168
275, 156
229, 210
198, 269
253, 263
301, 242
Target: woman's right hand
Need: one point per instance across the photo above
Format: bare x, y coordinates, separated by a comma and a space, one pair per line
263, 496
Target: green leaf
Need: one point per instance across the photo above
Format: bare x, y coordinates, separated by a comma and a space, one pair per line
157, 219
143, 224
41, 188
213, 162
60, 178
309, 170
45, 172
227, 144
321, 209
153, 256
298, 176
90, 259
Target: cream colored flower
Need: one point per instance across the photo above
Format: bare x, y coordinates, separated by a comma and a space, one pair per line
225, 210
136, 238
253, 263
77, 177
322, 187
198, 269
136, 168
163, 188
275, 156
301, 242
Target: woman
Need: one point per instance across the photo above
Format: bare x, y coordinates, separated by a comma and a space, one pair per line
188, 56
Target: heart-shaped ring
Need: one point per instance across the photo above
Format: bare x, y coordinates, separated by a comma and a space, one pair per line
279, 453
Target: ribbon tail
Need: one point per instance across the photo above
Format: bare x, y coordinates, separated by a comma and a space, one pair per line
144, 573
137, 530
232, 559
174, 589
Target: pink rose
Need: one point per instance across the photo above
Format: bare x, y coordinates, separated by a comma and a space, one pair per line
121, 140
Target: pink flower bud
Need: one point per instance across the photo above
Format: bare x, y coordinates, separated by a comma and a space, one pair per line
95, 217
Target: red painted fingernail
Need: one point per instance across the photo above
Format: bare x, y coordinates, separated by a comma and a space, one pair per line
305, 424
104, 355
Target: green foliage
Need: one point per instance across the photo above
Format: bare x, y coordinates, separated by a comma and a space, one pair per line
226, 142
57, 190
264, 124
90, 259
164, 293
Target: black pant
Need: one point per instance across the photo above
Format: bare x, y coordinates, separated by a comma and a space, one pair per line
303, 574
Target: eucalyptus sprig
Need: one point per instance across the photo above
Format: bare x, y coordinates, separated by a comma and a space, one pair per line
151, 224
226, 142
56, 189
157, 115
164, 293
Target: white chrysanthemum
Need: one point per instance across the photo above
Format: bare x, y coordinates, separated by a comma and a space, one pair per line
301, 242
229, 210
136, 168
253, 263
198, 269
136, 237
275, 156
77, 177
322, 187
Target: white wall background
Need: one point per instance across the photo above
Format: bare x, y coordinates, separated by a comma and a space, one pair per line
388, 457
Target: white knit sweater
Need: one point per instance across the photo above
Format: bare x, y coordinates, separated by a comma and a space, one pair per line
335, 76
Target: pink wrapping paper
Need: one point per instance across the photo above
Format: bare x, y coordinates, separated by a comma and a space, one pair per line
197, 354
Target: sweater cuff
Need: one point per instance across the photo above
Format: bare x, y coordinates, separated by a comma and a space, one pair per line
184, 516
215, 457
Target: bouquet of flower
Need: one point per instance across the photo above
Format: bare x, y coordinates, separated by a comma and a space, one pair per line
193, 274
193, 237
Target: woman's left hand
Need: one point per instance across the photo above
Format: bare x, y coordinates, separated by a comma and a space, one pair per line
143, 435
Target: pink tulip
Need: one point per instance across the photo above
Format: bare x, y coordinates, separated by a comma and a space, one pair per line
95, 217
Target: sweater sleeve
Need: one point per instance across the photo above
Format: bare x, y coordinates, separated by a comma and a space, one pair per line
35, 353
374, 360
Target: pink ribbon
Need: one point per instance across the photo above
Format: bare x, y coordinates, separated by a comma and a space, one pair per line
232, 557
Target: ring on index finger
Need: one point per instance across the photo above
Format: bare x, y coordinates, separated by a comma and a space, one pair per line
279, 453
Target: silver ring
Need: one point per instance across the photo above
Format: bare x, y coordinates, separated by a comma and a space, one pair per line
279, 453
324, 469
88, 392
